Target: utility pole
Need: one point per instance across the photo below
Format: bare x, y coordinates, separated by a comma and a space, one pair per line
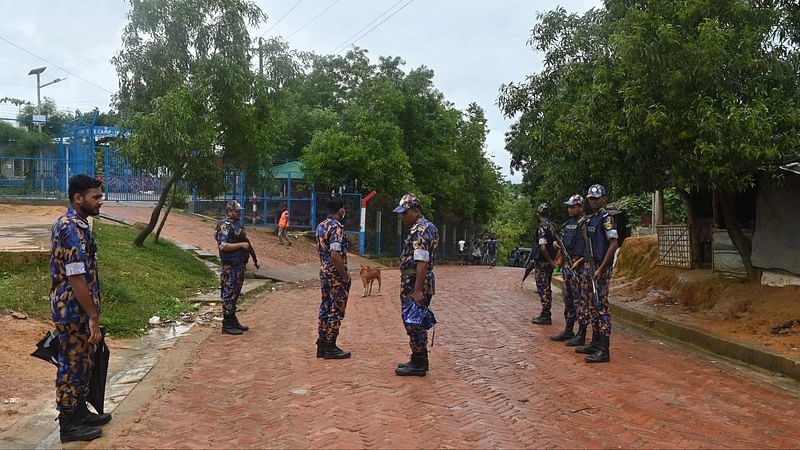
38, 72
261, 56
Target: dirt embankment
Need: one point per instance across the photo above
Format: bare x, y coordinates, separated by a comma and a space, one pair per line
744, 311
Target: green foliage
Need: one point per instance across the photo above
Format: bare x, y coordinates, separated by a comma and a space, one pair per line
136, 283
515, 221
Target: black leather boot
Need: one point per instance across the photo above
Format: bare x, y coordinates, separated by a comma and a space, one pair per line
417, 367
592, 347
238, 325
320, 347
603, 354
410, 362
229, 326
92, 419
331, 351
579, 339
543, 319
566, 334
72, 428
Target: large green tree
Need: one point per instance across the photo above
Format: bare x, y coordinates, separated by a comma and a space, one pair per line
643, 95
176, 49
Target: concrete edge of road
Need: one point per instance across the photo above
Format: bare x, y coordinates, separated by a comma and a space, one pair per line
704, 341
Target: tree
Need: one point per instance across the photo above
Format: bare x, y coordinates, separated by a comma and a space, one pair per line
177, 49
655, 94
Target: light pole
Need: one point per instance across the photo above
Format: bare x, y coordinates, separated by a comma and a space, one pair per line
38, 72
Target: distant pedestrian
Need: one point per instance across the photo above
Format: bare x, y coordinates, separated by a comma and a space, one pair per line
491, 251
476, 253
515, 256
462, 251
75, 306
283, 226
234, 252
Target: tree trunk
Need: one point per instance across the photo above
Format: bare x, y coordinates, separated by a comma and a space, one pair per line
166, 214
727, 203
690, 219
139, 241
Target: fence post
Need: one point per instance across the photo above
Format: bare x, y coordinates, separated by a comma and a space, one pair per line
289, 197
378, 235
265, 195
313, 205
241, 195
444, 241
106, 155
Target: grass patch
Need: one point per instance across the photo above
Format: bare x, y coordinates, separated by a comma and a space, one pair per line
135, 283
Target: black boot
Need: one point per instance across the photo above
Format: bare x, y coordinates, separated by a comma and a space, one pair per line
592, 347
410, 363
579, 339
418, 366
331, 351
229, 326
238, 325
92, 419
543, 319
320, 347
72, 428
564, 335
602, 354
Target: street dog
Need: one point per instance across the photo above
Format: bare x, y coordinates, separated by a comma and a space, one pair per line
368, 276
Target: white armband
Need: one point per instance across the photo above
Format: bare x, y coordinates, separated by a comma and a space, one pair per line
612, 234
76, 268
542, 241
422, 255
336, 246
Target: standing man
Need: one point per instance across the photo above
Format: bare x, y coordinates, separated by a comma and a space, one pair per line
575, 307
602, 235
491, 251
544, 259
417, 282
75, 306
234, 252
334, 280
462, 251
515, 257
283, 226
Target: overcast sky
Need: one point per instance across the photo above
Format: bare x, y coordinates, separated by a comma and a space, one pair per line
472, 46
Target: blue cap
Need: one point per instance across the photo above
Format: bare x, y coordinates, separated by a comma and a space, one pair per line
407, 202
574, 200
596, 191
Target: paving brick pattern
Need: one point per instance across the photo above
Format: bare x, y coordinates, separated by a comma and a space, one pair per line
495, 381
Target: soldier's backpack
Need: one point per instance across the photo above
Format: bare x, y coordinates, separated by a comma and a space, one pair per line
623, 226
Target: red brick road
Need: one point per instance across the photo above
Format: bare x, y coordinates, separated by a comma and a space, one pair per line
495, 381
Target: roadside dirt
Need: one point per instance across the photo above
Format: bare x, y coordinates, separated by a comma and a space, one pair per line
746, 312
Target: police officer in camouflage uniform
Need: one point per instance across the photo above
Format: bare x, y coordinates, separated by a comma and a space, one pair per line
334, 280
544, 256
75, 306
601, 233
234, 252
575, 307
417, 281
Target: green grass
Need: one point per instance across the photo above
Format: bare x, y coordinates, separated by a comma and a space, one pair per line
135, 283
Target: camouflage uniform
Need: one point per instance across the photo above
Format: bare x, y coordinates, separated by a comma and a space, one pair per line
335, 291
600, 230
421, 244
234, 263
73, 252
544, 271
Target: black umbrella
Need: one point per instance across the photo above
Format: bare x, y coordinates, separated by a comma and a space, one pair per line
97, 385
529, 266
47, 348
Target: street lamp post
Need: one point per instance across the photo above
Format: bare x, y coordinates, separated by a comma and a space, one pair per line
38, 72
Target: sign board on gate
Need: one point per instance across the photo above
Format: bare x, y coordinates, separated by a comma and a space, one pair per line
39, 118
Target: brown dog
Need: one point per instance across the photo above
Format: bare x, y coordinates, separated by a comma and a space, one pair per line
368, 276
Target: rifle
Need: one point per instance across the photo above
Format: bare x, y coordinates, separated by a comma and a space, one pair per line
250, 249
583, 224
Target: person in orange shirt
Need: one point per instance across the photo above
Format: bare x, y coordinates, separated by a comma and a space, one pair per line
283, 225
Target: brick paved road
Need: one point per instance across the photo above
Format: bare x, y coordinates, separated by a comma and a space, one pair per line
495, 381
